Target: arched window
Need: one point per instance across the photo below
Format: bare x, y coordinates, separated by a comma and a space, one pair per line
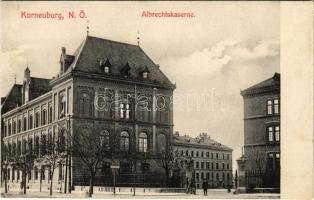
161, 143
124, 141
85, 105
105, 140
142, 143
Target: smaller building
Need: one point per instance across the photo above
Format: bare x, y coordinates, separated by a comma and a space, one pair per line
201, 158
259, 167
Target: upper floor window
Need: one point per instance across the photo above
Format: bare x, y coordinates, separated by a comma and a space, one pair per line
142, 144
62, 105
19, 125
145, 74
44, 117
106, 69
216, 155
217, 166
5, 130
30, 121
36, 119
50, 114
14, 127
24, 123
269, 107
124, 111
124, 141
9, 129
273, 133
86, 105
197, 154
276, 106
273, 106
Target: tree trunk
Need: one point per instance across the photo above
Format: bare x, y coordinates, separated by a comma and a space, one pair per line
167, 177
91, 184
24, 181
51, 181
5, 181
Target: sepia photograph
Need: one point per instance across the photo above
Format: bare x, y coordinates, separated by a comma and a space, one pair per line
141, 100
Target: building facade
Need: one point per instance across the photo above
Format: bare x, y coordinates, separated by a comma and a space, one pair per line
202, 158
106, 87
262, 134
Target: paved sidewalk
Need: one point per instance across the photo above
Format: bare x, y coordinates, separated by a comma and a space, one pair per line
107, 195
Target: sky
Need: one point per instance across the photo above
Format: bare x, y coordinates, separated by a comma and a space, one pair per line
225, 48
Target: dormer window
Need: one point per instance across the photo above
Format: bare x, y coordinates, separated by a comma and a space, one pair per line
125, 71
145, 73
106, 69
105, 66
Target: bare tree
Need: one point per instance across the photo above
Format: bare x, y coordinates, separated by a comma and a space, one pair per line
90, 147
55, 155
256, 161
167, 160
23, 162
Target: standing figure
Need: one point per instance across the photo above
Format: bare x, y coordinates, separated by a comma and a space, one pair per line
205, 187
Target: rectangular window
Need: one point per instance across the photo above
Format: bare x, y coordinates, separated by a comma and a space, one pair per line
192, 153
121, 111
277, 133
269, 107
202, 165
197, 165
217, 166
270, 134
30, 125
24, 123
197, 176
216, 155
276, 106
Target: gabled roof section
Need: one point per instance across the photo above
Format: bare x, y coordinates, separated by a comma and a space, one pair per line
13, 99
272, 83
38, 87
202, 142
94, 49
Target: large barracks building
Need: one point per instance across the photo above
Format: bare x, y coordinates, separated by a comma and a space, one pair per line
96, 90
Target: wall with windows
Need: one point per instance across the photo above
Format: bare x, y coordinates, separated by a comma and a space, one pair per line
212, 165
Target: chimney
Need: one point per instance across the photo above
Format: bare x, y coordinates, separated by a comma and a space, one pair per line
63, 50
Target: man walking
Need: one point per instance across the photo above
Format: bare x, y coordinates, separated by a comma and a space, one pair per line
205, 187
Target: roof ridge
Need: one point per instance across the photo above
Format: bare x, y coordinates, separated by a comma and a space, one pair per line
113, 41
40, 78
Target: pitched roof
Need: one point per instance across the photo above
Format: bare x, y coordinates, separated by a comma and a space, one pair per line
202, 142
13, 98
38, 87
273, 82
93, 49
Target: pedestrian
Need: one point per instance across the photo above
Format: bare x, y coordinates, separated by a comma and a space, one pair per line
187, 186
205, 187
